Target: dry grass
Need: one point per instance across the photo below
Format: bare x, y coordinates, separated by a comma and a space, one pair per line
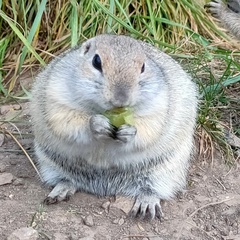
32, 32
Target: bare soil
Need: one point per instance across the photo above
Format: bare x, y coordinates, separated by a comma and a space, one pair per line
208, 209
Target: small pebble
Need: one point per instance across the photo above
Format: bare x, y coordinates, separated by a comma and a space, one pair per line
224, 232
208, 227
13, 162
6, 178
16, 107
11, 196
115, 221
121, 221
18, 182
89, 221
123, 203
106, 205
3, 167
1, 139
24, 234
60, 236
5, 109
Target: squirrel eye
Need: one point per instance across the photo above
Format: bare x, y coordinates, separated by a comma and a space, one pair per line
143, 68
96, 62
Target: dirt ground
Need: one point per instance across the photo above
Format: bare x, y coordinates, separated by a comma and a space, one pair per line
208, 209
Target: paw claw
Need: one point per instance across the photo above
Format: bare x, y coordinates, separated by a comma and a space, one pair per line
147, 207
159, 213
61, 192
126, 133
100, 127
49, 200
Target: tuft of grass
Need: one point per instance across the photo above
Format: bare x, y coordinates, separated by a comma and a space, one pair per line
33, 32
217, 75
37, 30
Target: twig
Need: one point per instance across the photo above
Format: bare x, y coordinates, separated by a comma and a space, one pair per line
29, 158
198, 209
140, 236
207, 205
44, 234
224, 188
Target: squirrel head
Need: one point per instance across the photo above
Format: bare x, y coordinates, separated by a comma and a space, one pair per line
106, 72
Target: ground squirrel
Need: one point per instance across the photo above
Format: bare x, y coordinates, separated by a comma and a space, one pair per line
76, 146
228, 14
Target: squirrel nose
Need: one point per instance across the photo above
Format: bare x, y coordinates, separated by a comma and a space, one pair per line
120, 98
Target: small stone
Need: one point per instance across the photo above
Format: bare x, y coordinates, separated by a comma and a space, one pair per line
224, 232
115, 221
3, 167
163, 231
134, 230
208, 228
140, 227
124, 204
205, 177
60, 236
1, 139
6, 178
24, 234
121, 221
106, 205
13, 162
11, 196
89, 221
5, 109
16, 107
18, 182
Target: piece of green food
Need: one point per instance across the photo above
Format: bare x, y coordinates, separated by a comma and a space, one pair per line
120, 116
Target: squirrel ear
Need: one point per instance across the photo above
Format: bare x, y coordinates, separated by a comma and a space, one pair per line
87, 46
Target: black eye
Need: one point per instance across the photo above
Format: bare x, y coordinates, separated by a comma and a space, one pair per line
96, 62
143, 68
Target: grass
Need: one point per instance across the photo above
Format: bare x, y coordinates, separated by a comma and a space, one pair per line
32, 32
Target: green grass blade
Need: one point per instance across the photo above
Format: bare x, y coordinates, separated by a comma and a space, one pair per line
110, 19
229, 81
74, 23
3, 48
124, 13
152, 18
33, 31
22, 38
130, 28
14, 10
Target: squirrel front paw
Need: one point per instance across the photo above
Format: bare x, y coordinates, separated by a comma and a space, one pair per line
62, 191
147, 207
101, 127
215, 8
103, 130
126, 133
